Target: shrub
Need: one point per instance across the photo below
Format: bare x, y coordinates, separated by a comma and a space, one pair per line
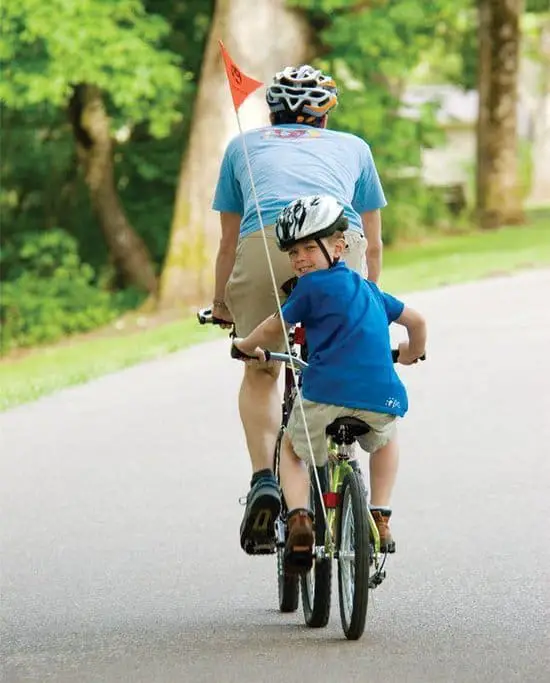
51, 293
415, 210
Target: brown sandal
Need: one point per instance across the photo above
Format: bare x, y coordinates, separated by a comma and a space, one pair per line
298, 558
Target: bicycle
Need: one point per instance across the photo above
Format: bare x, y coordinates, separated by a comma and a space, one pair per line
347, 534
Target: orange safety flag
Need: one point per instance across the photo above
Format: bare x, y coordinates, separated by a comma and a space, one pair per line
241, 86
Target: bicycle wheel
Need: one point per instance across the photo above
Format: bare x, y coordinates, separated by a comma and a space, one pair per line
288, 586
316, 584
353, 558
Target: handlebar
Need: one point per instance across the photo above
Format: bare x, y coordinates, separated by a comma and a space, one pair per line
395, 356
285, 358
269, 355
205, 317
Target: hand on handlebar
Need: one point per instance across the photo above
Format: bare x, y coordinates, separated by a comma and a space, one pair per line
222, 316
248, 353
404, 356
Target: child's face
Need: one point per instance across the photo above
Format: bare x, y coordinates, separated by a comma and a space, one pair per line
305, 257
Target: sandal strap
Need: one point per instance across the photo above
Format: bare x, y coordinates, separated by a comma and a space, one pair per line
297, 511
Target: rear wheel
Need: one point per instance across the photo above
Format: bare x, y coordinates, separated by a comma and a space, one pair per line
316, 584
353, 557
288, 586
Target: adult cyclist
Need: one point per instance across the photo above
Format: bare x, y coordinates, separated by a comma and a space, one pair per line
296, 156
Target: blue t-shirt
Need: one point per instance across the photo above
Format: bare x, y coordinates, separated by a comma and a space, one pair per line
347, 323
294, 160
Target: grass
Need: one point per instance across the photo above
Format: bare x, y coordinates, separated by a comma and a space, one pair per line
432, 263
467, 257
46, 370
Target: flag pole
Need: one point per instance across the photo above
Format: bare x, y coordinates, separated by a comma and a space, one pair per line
241, 86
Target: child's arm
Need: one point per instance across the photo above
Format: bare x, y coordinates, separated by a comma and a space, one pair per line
414, 323
265, 335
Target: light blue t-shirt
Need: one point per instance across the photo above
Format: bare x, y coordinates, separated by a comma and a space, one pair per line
347, 320
293, 160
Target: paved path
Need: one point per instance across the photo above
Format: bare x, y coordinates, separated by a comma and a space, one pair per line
119, 536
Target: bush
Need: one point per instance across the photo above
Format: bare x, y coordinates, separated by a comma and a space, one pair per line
415, 210
50, 293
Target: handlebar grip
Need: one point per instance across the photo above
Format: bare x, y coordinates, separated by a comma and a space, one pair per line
239, 355
205, 316
395, 355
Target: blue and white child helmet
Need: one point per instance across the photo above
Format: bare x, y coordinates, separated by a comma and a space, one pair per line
309, 218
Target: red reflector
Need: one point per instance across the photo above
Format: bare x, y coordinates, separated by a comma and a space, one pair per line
332, 500
299, 335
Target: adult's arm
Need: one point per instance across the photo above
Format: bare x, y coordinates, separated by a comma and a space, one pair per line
372, 227
225, 260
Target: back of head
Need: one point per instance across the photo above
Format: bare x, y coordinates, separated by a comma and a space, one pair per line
301, 95
309, 218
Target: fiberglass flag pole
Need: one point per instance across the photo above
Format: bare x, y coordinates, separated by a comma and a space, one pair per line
241, 86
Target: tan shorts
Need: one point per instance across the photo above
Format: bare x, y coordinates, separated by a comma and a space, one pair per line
320, 415
249, 292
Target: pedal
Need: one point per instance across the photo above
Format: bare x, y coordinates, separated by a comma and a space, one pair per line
262, 521
267, 547
377, 579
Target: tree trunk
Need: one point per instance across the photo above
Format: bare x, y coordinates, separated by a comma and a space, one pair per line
95, 153
540, 190
498, 188
262, 37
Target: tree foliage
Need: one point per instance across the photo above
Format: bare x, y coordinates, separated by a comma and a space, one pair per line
47, 48
143, 56
371, 49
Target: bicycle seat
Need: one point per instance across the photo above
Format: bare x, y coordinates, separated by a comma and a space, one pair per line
347, 428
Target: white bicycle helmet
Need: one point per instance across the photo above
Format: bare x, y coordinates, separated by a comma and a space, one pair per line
309, 218
302, 91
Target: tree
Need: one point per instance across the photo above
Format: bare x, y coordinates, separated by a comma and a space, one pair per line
536, 40
95, 152
262, 37
94, 55
498, 188
372, 48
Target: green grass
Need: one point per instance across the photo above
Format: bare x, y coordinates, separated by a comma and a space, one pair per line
46, 370
442, 260
467, 257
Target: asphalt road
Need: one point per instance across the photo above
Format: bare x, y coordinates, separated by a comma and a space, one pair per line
119, 535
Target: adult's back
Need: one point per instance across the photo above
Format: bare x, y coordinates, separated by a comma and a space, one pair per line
290, 160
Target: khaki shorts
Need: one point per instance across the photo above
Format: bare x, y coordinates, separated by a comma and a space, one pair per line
249, 292
320, 415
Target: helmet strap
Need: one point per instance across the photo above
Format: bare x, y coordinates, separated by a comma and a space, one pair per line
331, 262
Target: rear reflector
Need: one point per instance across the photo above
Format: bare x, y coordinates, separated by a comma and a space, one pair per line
332, 500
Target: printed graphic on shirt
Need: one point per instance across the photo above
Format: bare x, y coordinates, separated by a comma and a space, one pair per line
282, 134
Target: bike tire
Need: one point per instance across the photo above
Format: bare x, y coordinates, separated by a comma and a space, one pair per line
288, 586
353, 577
317, 583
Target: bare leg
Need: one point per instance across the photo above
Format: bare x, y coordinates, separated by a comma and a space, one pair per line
260, 410
294, 477
383, 472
